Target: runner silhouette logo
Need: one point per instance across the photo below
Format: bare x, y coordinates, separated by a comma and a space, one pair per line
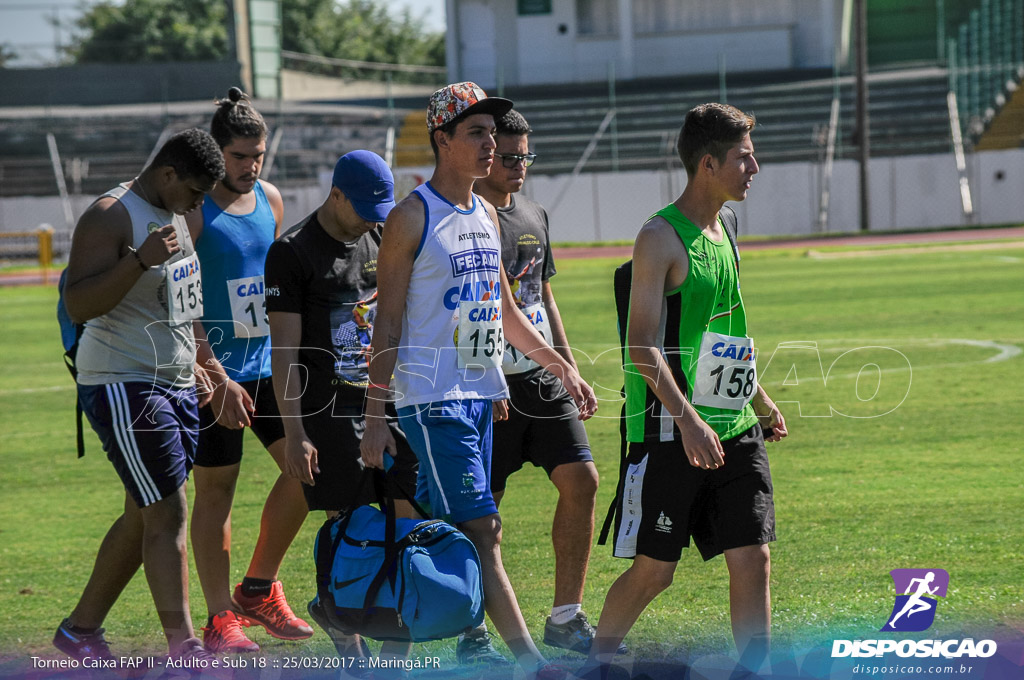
914, 609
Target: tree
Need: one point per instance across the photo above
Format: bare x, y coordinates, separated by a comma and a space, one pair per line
151, 31
6, 54
196, 30
363, 30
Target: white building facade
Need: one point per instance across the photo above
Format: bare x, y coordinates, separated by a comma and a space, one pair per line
538, 42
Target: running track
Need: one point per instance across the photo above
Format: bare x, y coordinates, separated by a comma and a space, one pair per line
624, 252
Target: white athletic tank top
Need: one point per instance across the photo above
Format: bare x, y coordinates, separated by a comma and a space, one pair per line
136, 341
456, 274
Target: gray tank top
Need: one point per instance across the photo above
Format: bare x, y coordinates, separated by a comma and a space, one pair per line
137, 341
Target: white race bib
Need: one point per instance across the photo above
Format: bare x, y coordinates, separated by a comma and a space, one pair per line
184, 289
726, 372
517, 362
248, 307
480, 342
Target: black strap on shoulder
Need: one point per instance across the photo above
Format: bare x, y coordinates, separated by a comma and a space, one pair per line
623, 283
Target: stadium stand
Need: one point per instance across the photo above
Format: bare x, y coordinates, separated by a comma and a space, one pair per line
100, 146
907, 116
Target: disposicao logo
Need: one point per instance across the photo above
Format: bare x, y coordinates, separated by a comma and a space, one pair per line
914, 610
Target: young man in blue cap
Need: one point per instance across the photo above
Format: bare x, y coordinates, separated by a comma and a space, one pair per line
321, 291
445, 308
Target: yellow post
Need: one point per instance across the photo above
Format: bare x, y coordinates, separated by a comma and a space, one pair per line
45, 235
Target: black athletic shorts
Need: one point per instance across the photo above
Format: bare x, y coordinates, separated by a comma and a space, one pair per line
663, 500
220, 446
543, 428
337, 438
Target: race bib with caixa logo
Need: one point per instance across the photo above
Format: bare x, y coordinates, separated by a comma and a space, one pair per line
726, 375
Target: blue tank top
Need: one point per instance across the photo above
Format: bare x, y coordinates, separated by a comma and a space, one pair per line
232, 251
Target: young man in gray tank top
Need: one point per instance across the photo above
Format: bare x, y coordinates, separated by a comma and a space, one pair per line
133, 279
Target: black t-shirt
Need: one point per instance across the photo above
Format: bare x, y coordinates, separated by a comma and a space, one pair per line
525, 249
525, 254
333, 286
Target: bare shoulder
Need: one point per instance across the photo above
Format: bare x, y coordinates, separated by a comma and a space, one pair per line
659, 255
105, 219
405, 225
272, 192
655, 237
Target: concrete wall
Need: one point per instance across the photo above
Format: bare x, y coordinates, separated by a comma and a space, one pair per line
98, 84
909, 192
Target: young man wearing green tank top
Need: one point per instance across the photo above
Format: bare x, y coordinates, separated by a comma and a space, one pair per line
697, 464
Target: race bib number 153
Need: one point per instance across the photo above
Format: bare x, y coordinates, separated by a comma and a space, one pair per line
185, 289
726, 372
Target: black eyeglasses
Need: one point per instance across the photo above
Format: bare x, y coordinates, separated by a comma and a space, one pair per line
511, 160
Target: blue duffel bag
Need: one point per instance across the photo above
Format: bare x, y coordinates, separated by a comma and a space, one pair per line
396, 579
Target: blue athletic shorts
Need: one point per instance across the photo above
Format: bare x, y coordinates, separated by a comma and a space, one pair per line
149, 433
452, 440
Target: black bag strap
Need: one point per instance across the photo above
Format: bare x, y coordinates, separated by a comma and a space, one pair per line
622, 283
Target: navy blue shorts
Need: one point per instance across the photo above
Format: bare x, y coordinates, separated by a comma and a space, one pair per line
452, 440
149, 433
543, 428
221, 446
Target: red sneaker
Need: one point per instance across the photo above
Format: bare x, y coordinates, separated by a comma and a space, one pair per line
273, 613
224, 634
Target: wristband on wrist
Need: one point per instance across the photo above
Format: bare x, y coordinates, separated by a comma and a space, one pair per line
138, 258
378, 386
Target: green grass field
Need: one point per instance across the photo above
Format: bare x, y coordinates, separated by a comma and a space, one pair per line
908, 455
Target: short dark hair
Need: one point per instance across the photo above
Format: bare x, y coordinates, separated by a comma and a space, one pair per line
448, 128
235, 117
512, 123
711, 129
193, 154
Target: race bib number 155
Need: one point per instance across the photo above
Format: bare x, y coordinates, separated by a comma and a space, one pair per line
726, 372
480, 340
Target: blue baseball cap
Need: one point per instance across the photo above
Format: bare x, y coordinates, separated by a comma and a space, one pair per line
367, 182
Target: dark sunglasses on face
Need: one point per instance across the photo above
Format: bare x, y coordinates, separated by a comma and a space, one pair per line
511, 160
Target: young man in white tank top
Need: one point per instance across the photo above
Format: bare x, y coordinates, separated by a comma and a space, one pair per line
442, 287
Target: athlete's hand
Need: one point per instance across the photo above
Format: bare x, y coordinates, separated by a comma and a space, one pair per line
159, 246
377, 439
499, 410
701, 445
582, 393
204, 385
301, 459
770, 417
234, 405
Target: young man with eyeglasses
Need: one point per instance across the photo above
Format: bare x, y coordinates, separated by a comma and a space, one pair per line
538, 423
444, 306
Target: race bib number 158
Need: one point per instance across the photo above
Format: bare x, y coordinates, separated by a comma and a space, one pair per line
726, 372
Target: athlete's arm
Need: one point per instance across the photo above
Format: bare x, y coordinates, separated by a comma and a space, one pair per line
232, 403
285, 337
660, 264
521, 334
276, 204
399, 241
769, 416
101, 269
559, 340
